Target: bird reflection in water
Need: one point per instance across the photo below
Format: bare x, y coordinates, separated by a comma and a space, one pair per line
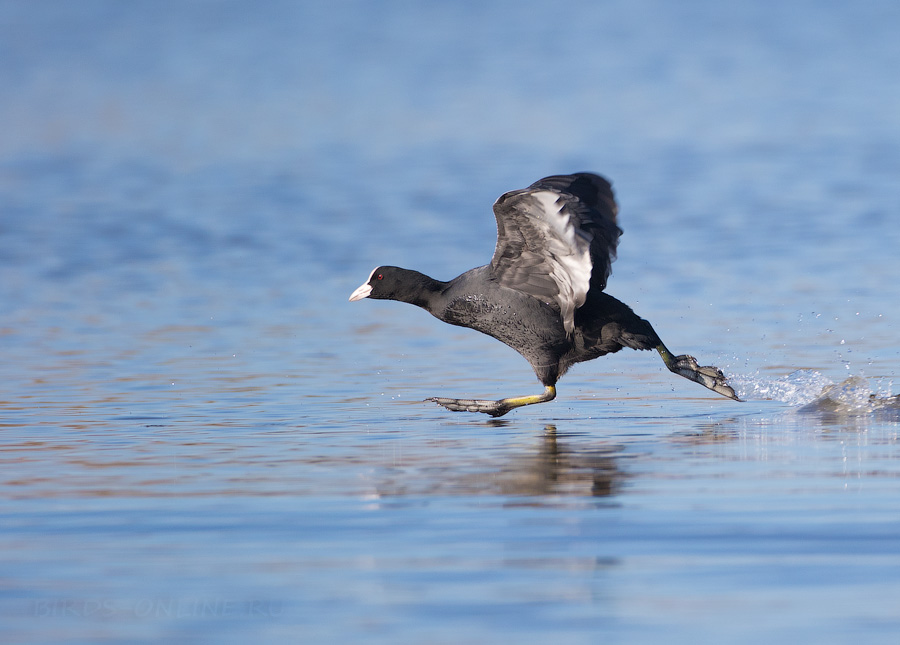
557, 468
551, 469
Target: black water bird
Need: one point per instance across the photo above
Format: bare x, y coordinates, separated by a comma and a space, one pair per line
542, 294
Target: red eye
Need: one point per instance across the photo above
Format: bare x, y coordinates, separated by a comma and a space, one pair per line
379, 277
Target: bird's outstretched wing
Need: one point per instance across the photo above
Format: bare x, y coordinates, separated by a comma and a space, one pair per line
556, 240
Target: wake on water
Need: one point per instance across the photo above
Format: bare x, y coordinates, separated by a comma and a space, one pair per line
811, 392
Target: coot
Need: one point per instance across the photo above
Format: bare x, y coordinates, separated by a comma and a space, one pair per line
542, 294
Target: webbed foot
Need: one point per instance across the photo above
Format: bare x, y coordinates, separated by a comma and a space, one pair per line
494, 408
707, 376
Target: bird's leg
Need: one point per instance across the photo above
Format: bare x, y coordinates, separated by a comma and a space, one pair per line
687, 367
495, 408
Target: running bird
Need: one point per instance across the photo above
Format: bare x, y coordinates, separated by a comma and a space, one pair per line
542, 294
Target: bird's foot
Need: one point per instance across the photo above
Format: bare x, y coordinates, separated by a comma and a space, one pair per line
494, 408
707, 376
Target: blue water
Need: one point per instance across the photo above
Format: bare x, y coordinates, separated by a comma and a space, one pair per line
203, 441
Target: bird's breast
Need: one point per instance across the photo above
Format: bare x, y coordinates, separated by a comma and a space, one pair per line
518, 322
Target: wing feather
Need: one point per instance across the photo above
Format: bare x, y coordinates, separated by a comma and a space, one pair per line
556, 240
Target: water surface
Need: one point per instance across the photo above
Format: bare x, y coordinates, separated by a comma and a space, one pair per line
202, 440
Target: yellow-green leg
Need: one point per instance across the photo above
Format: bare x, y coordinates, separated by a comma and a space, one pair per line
687, 367
495, 408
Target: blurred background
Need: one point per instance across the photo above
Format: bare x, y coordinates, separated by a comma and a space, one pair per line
189, 192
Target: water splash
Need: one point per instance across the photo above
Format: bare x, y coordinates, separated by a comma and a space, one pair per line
797, 388
811, 391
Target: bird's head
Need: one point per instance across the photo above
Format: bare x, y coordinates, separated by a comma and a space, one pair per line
383, 284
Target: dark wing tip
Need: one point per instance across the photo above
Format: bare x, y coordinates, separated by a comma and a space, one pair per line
592, 190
